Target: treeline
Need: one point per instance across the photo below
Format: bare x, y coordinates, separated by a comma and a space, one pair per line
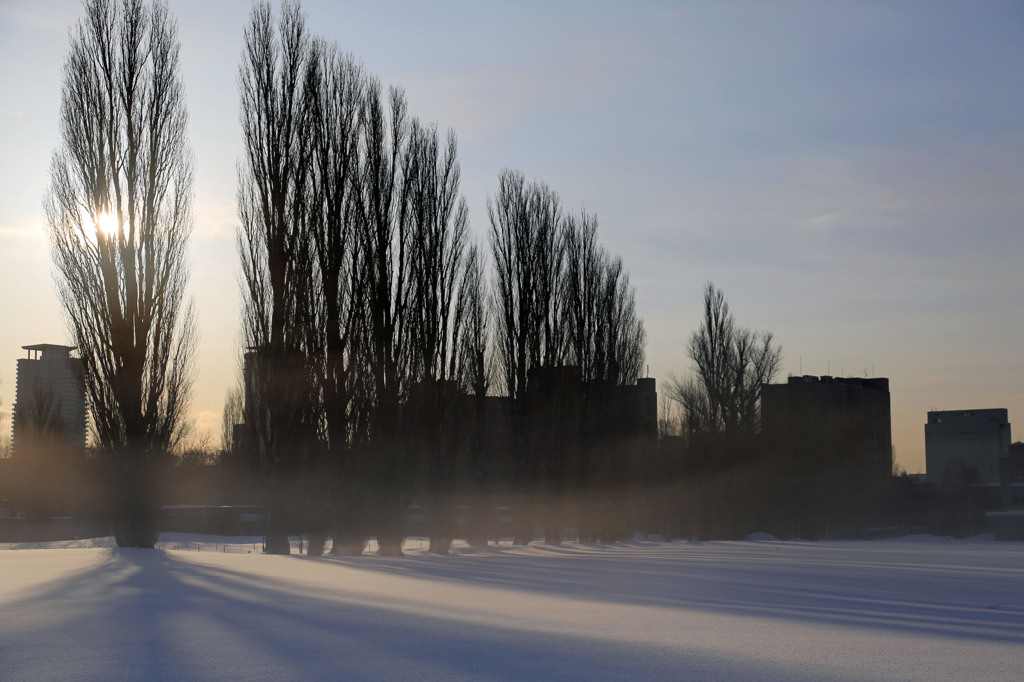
371, 317
392, 364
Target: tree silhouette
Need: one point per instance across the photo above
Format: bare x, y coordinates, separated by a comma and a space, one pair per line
606, 341
119, 215
730, 364
720, 403
567, 339
437, 265
274, 206
527, 251
334, 88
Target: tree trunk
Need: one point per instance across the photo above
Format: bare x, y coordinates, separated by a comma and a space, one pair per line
276, 534
136, 513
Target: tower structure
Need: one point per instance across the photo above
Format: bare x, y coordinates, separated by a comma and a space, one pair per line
49, 399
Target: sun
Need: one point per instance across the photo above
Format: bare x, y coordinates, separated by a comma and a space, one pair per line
106, 224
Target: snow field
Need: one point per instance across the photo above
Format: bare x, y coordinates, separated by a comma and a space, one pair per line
920, 608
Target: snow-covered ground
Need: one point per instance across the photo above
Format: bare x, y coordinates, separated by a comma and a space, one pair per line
210, 608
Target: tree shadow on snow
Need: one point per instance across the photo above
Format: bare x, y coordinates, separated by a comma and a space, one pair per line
147, 615
817, 584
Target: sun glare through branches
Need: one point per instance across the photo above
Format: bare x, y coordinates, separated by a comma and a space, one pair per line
106, 224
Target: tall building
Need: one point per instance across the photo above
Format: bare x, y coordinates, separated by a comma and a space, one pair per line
49, 398
966, 444
1015, 462
836, 422
828, 454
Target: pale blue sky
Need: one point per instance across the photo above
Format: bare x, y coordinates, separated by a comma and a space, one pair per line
850, 174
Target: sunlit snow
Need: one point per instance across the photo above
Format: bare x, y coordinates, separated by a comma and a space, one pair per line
212, 608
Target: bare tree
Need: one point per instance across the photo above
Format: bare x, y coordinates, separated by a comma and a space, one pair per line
527, 249
622, 336
198, 452
232, 417
334, 91
475, 375
276, 252
475, 354
670, 421
585, 266
352, 242
437, 246
730, 364
383, 235
383, 227
606, 340
605, 336
437, 249
333, 94
119, 215
528, 252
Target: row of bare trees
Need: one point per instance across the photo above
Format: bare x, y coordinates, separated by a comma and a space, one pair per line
376, 333
369, 314
559, 300
367, 308
358, 276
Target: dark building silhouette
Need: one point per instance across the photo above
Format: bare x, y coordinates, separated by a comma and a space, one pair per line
563, 457
966, 445
637, 407
489, 466
829, 442
839, 422
1015, 462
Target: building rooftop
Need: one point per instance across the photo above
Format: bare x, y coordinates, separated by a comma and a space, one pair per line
875, 383
998, 415
46, 348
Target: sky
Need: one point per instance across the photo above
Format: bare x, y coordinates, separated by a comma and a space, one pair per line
850, 174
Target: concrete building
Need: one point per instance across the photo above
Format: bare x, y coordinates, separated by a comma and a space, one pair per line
639, 407
49, 398
1015, 462
964, 444
832, 423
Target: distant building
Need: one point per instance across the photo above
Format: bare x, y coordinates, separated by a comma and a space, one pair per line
49, 398
1015, 462
966, 444
638, 405
827, 455
836, 422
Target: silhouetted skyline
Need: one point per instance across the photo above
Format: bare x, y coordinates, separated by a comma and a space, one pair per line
848, 175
